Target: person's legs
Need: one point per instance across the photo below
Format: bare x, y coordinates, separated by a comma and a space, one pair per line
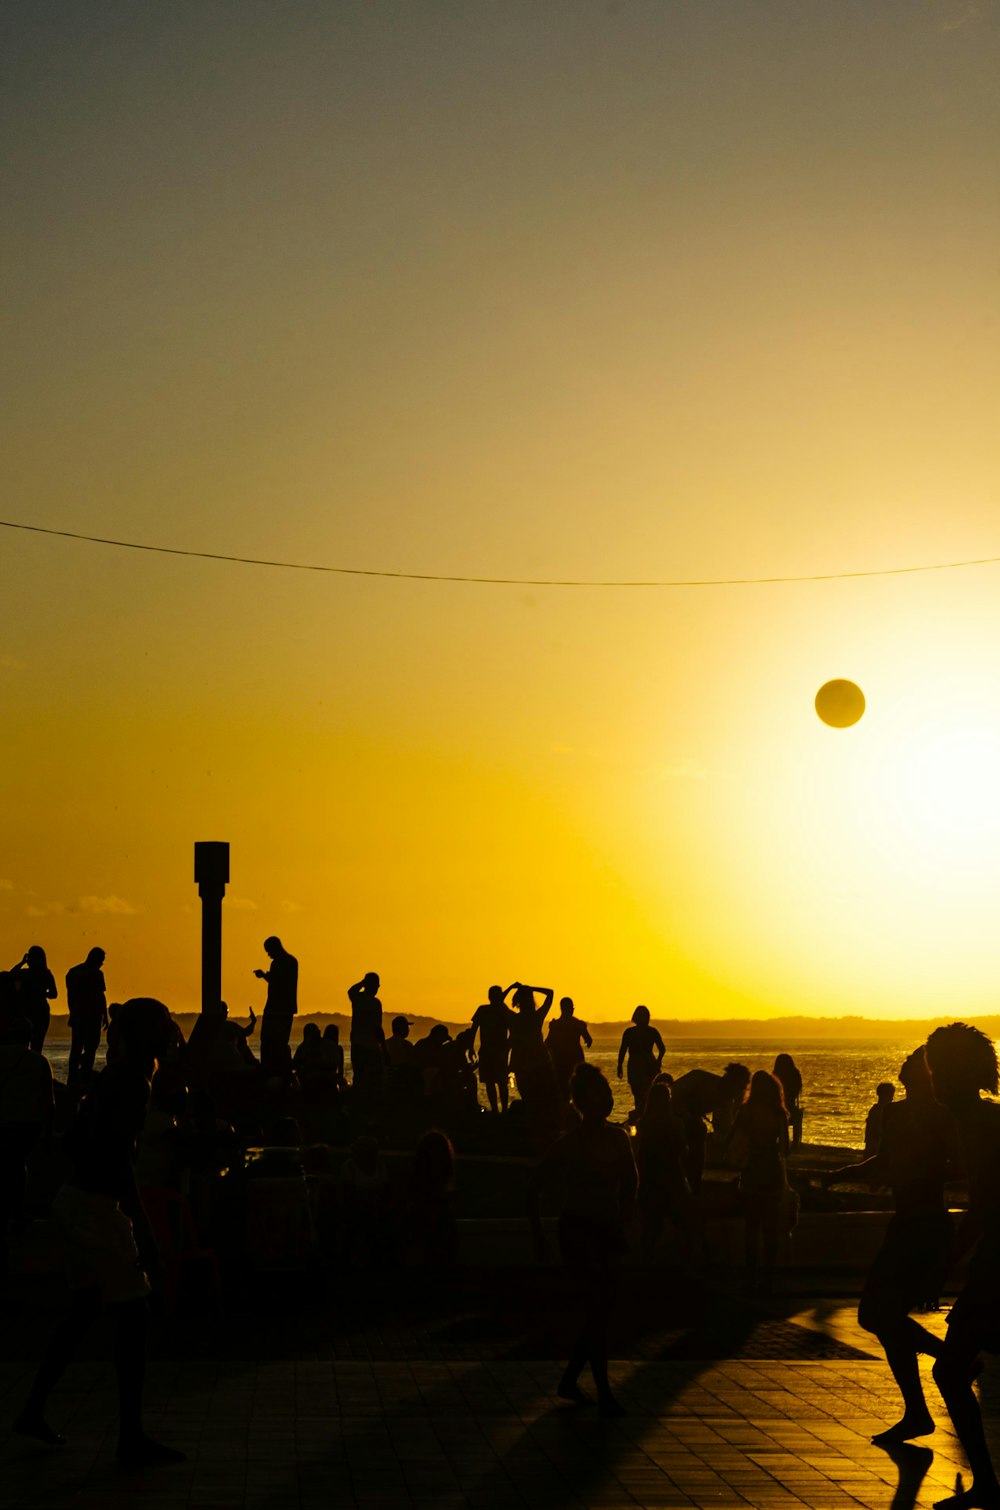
135, 1449
954, 1372
491, 1096
84, 1308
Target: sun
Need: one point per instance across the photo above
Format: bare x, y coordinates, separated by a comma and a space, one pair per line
941, 794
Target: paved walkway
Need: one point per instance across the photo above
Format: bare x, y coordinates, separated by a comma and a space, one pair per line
276, 1435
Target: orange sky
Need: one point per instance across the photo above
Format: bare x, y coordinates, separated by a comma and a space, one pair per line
698, 290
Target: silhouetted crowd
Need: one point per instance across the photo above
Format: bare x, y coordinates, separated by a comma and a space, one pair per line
198, 1154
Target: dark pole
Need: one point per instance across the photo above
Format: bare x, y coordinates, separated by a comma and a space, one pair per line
211, 871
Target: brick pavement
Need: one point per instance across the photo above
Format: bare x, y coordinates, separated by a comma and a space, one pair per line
270, 1433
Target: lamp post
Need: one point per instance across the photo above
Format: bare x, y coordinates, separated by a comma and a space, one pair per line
211, 871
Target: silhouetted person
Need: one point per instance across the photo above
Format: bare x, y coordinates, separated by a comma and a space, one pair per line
35, 986
367, 1034
26, 1110
492, 1022
643, 1048
700, 1094
593, 1165
430, 1232
528, 1059
762, 1123
280, 1007
566, 1037
884, 1093
916, 1153
104, 1231
86, 999
402, 1077
664, 1192
963, 1062
333, 1053
786, 1070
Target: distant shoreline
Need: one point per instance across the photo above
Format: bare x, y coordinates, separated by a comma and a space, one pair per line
773, 1030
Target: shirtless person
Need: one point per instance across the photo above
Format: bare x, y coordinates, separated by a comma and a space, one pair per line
963, 1062
492, 1022
106, 1238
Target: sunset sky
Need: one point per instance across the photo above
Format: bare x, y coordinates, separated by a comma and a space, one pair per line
674, 289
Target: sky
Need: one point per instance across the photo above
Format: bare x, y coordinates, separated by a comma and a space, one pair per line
620, 291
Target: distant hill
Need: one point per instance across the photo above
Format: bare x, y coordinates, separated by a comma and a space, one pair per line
779, 1030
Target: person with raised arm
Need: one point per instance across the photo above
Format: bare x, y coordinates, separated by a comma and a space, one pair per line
367, 1035
35, 986
528, 1060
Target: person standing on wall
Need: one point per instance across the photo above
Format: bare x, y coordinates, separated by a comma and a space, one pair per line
280, 1007
87, 1000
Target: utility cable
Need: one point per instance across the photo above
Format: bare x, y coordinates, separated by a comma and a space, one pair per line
415, 576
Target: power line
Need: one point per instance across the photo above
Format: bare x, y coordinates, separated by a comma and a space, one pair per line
415, 576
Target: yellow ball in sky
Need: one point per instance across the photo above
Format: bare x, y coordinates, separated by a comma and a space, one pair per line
840, 703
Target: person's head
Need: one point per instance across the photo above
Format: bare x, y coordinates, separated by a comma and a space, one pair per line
224, 1010
962, 1062
144, 1030
434, 1161
438, 1034
331, 1033
371, 983
273, 946
641, 1017
400, 1027
884, 1092
783, 1064
766, 1091
914, 1076
657, 1110
591, 1094
495, 996
663, 1077
311, 1033
735, 1079
524, 1000
566, 1007
36, 958
96, 957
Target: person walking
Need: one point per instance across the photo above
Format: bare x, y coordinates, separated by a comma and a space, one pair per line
644, 1049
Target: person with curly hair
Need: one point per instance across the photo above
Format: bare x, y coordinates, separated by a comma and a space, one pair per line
963, 1063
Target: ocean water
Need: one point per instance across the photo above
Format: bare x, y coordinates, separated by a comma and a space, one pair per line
838, 1080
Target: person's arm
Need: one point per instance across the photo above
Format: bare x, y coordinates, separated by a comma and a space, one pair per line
622, 1052
586, 1036
355, 992
512, 987
50, 986
658, 1044
548, 997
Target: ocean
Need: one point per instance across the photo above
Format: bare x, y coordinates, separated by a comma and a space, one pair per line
838, 1080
